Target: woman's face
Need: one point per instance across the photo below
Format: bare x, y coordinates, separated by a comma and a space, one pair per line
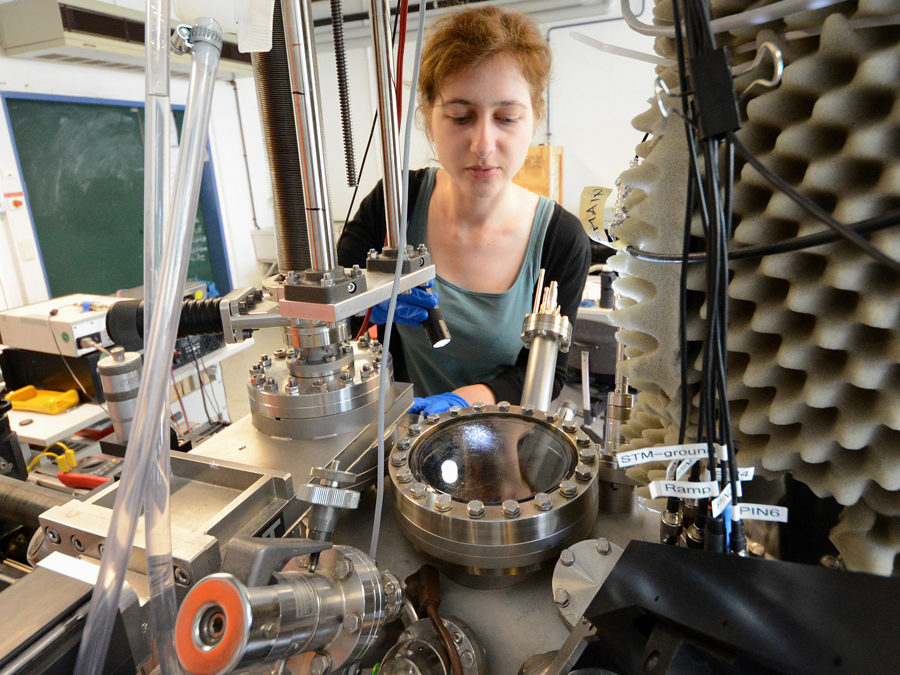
482, 124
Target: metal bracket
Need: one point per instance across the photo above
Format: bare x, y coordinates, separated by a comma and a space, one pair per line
253, 560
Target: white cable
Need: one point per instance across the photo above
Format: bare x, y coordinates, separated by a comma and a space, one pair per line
752, 17
401, 249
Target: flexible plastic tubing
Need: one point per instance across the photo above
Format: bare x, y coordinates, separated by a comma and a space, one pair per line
395, 289
751, 17
157, 517
145, 433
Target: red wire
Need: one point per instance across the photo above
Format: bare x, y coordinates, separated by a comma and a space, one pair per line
401, 48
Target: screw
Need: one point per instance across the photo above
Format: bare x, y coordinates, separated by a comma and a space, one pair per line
443, 503
567, 558
583, 441
347, 349
352, 623
561, 597
320, 664
467, 659
551, 416
280, 353
503, 406
76, 544
327, 280
418, 490
292, 279
343, 568
583, 473
404, 476
182, 578
356, 272
454, 410
399, 458
101, 548
603, 546
457, 637
475, 509
570, 427
373, 254
568, 488
415, 429
53, 536
586, 455
390, 588
433, 418
404, 443
510, 508
478, 406
367, 367
421, 249
528, 410
345, 376
543, 501
265, 361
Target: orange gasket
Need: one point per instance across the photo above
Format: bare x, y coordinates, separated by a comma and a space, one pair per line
217, 659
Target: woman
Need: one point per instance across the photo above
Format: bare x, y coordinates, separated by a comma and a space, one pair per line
481, 84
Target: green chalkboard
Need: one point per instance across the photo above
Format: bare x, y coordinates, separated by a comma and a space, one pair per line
83, 168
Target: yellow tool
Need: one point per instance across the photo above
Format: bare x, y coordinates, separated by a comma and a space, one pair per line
43, 401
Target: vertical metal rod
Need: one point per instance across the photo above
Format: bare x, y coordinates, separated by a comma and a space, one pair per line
305, 94
387, 117
537, 292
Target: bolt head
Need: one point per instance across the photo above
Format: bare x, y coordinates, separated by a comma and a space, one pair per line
352, 623
567, 557
390, 588
478, 406
53, 535
454, 410
320, 664
475, 509
583, 473
433, 418
404, 443
510, 508
528, 410
443, 503
399, 458
561, 597
418, 490
543, 501
404, 476
568, 488
280, 353
415, 429
570, 427
467, 659
503, 406
343, 568
603, 546
182, 577
586, 455
551, 416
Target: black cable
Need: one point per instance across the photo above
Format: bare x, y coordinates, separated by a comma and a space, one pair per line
199, 379
811, 207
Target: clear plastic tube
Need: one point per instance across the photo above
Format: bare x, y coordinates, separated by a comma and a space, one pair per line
395, 289
163, 327
157, 517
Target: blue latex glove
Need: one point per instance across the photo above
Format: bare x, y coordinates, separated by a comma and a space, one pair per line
412, 308
438, 403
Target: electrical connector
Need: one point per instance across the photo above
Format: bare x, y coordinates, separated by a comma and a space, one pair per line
714, 94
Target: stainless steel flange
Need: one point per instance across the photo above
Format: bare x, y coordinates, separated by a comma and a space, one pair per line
493, 493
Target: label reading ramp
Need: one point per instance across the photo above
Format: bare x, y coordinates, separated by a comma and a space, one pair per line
775, 514
684, 489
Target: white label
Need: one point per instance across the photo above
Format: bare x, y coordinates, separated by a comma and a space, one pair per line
683, 489
683, 468
666, 453
745, 473
775, 514
720, 502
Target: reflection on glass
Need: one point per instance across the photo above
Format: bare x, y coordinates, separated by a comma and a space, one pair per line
493, 458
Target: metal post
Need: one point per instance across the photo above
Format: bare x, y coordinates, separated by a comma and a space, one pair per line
307, 118
387, 117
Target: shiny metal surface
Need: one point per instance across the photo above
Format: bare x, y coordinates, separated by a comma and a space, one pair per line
537, 391
387, 118
578, 576
481, 542
120, 378
298, 33
377, 285
420, 651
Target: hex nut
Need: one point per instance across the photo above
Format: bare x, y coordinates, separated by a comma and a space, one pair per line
399, 458
352, 623
583, 473
280, 353
570, 427
404, 476
320, 664
418, 490
415, 429
510, 508
443, 503
551, 416
561, 597
475, 509
543, 501
583, 441
567, 557
587, 456
343, 568
433, 418
568, 488
528, 410
503, 406
467, 659
478, 406
404, 443
454, 410
603, 546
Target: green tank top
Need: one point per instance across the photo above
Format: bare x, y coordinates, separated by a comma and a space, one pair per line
485, 328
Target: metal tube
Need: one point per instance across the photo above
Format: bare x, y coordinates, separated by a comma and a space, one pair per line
23, 503
387, 117
538, 388
537, 292
298, 35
